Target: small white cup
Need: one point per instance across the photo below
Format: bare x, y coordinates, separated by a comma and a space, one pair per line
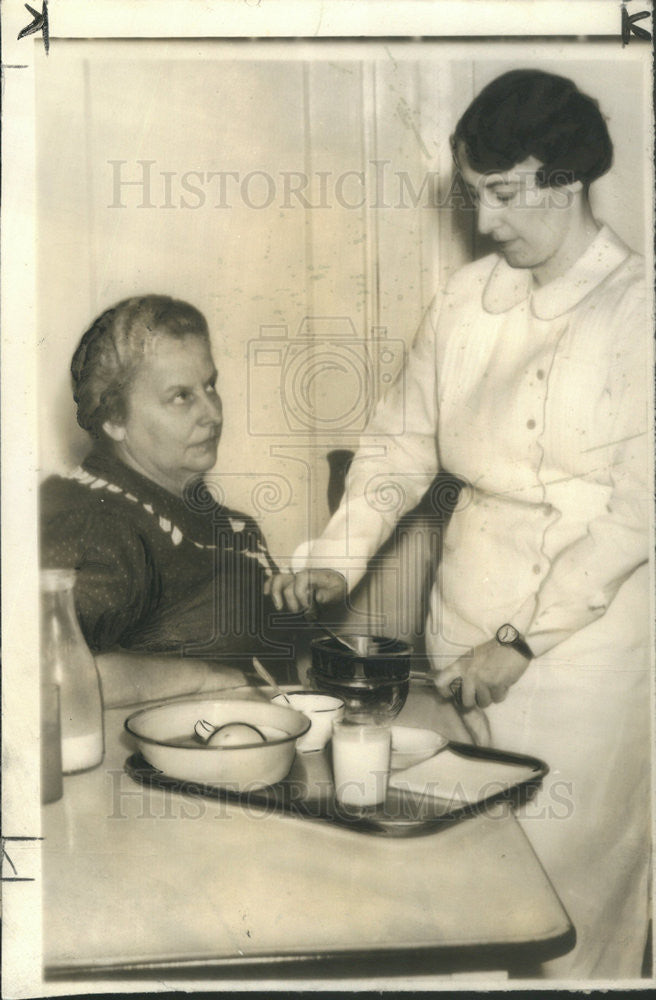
321, 709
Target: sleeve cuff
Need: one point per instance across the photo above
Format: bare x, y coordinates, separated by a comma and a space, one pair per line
542, 642
320, 554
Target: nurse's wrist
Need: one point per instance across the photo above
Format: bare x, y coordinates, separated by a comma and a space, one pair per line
543, 642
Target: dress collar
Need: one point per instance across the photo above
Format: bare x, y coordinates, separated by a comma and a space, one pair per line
179, 519
508, 287
198, 501
102, 463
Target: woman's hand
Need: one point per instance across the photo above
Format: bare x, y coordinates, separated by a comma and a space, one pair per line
298, 591
487, 673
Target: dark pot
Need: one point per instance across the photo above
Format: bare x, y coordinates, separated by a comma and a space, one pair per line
379, 658
375, 680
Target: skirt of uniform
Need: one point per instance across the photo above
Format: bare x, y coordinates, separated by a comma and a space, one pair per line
585, 708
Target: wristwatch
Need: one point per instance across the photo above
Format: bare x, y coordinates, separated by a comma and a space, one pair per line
508, 635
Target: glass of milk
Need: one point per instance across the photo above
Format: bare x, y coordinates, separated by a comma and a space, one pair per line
361, 761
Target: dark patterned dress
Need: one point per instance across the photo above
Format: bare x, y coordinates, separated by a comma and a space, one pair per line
159, 573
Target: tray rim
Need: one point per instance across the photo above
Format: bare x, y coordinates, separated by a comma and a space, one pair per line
142, 772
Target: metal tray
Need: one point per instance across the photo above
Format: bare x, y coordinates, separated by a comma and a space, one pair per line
308, 793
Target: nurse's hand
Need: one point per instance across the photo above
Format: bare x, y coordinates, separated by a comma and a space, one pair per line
299, 591
487, 672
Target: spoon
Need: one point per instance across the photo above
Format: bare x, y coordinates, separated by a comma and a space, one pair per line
204, 730
266, 676
312, 616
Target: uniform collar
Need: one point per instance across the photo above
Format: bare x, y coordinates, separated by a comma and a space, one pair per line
508, 287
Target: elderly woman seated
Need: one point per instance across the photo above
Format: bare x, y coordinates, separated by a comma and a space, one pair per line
172, 588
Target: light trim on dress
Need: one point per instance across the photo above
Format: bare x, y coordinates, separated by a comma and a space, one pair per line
166, 527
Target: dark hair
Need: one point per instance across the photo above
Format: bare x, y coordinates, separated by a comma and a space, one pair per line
110, 352
530, 113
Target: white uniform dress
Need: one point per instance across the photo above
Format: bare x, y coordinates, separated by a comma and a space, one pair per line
538, 399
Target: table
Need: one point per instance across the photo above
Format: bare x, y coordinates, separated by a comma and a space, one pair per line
139, 882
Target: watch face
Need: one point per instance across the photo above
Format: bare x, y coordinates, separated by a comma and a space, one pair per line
507, 634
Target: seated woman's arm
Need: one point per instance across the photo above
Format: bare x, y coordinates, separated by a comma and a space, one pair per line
138, 644
117, 583
128, 678
116, 589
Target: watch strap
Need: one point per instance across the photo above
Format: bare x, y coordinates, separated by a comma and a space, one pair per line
519, 643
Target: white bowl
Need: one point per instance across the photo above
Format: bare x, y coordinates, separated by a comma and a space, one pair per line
410, 746
320, 709
164, 735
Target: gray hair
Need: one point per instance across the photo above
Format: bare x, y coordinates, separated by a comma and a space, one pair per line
110, 352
